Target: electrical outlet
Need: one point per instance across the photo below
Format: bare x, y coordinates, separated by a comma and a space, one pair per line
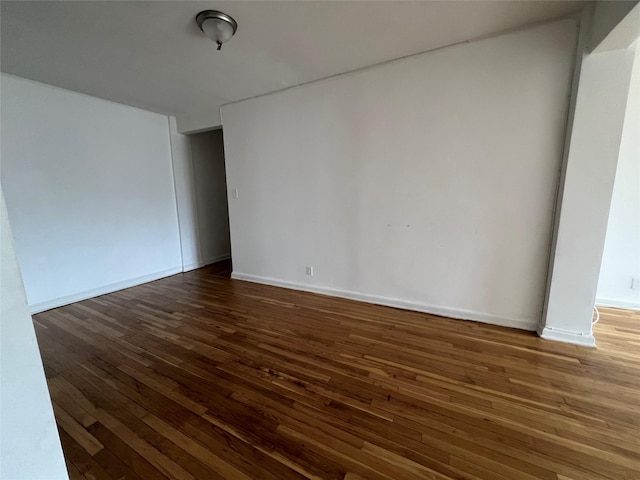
309, 270
234, 193
635, 283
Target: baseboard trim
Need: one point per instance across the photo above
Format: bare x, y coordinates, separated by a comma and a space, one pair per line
461, 314
204, 263
96, 292
584, 339
615, 303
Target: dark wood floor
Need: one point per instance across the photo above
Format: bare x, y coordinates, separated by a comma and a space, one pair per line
198, 376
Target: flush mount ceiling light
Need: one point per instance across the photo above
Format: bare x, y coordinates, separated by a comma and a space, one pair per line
218, 26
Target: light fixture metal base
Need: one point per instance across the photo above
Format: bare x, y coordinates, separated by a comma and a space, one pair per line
217, 15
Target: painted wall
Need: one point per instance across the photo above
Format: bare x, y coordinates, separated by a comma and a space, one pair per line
426, 183
621, 257
210, 186
29, 443
89, 190
185, 197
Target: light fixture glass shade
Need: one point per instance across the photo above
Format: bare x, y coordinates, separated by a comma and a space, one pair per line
218, 26
217, 30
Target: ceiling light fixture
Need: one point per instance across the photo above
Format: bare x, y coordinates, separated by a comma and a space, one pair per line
218, 26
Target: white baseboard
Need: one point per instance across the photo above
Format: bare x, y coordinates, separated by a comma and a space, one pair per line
615, 303
585, 339
95, 292
204, 263
522, 324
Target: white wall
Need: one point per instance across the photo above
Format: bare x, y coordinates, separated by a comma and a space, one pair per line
426, 183
185, 197
89, 190
621, 258
29, 443
207, 154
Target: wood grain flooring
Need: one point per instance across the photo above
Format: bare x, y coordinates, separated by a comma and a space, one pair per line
198, 376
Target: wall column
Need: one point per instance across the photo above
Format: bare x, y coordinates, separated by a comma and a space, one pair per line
585, 194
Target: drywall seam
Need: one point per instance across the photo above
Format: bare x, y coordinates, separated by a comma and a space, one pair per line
96, 292
393, 60
393, 302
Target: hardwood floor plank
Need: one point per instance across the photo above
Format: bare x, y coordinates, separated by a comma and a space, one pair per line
76, 431
198, 376
84, 464
126, 454
224, 469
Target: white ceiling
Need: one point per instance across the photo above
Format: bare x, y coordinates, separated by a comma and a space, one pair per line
153, 56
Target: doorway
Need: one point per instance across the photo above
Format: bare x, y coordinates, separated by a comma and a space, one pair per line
210, 195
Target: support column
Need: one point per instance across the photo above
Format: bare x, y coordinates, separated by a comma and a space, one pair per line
586, 187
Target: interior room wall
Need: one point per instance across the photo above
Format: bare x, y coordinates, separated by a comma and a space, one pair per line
89, 190
621, 257
185, 197
210, 187
426, 183
29, 442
